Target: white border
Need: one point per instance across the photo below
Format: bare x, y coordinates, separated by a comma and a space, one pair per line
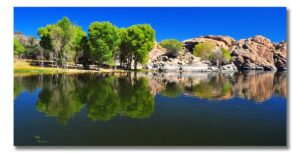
6, 69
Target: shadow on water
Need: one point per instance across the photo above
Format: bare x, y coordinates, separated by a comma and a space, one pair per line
107, 101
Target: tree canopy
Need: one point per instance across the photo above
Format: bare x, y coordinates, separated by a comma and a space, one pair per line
104, 40
18, 48
137, 42
65, 42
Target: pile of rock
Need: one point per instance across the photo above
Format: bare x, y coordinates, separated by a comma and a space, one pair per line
254, 53
280, 56
186, 63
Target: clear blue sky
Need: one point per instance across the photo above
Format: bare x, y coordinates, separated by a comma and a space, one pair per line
178, 23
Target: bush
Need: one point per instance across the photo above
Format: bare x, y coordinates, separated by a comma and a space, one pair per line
226, 57
18, 48
204, 50
220, 57
172, 46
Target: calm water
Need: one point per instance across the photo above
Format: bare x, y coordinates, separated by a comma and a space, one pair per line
151, 109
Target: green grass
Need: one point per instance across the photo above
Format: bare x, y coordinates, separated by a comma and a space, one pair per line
24, 67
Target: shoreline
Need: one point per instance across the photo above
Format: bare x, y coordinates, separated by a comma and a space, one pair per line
24, 67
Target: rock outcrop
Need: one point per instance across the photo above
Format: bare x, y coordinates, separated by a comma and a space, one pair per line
280, 55
219, 41
255, 53
26, 41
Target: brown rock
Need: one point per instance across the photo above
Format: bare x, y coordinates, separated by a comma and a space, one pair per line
26, 40
280, 55
255, 53
219, 41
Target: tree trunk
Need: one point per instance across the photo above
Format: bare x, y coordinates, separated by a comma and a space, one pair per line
129, 64
135, 64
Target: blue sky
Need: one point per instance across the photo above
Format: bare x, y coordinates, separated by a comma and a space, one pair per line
170, 22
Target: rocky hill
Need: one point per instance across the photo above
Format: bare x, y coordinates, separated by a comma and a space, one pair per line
26, 40
254, 53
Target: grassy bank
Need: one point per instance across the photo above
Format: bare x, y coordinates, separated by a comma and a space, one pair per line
24, 67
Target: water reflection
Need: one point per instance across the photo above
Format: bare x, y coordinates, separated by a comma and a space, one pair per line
131, 95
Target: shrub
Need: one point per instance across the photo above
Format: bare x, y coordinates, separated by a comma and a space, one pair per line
172, 46
220, 57
18, 48
204, 50
226, 57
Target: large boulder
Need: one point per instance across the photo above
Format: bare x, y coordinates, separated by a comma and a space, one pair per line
280, 55
186, 62
255, 53
156, 52
229, 68
219, 41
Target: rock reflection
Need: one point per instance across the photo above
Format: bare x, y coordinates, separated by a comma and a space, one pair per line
255, 86
131, 95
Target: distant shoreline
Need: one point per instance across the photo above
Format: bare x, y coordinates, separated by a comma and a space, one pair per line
24, 68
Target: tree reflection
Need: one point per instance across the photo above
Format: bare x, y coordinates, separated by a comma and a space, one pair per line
103, 100
106, 96
137, 100
217, 87
59, 99
172, 90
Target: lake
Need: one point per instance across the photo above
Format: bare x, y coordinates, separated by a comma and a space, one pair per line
143, 109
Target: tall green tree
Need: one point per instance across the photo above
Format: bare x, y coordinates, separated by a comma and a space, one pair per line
125, 53
58, 38
141, 40
45, 43
80, 43
104, 40
18, 48
68, 37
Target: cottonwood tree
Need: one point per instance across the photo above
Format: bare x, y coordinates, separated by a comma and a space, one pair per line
59, 38
56, 34
104, 40
137, 43
80, 43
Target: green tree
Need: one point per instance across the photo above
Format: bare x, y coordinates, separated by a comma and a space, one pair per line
68, 37
104, 41
172, 46
125, 53
58, 38
80, 43
204, 49
140, 41
18, 48
45, 42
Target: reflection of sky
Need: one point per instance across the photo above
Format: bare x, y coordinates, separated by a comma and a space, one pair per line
183, 119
